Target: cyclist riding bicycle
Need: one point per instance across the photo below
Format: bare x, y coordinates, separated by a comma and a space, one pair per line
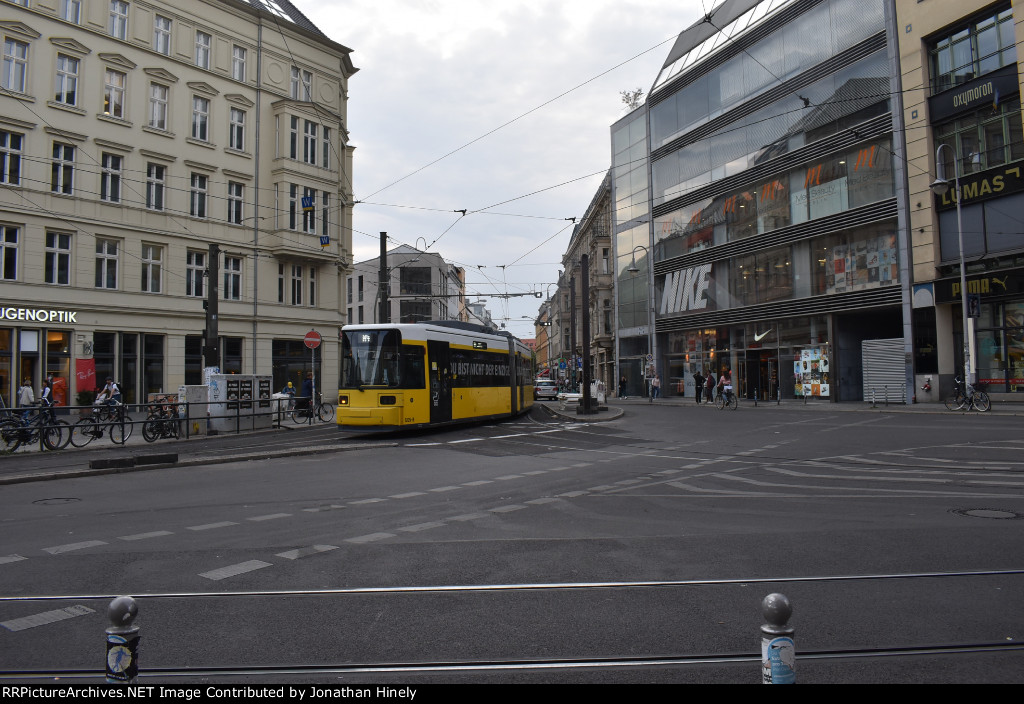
725, 383
109, 395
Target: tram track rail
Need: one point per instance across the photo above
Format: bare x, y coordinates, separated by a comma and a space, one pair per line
752, 659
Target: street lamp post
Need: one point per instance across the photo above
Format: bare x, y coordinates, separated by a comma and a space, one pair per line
940, 187
633, 269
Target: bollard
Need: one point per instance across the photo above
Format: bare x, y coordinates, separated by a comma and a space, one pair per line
122, 641
778, 652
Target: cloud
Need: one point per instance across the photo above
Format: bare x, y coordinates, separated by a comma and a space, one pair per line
436, 75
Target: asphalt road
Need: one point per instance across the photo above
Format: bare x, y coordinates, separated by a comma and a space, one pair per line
543, 549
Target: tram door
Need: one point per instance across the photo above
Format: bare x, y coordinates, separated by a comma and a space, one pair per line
440, 376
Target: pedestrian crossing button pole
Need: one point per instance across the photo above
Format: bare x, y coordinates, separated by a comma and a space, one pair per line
778, 652
122, 641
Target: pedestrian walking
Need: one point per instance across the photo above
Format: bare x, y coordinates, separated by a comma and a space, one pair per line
306, 395
655, 387
622, 386
710, 387
26, 397
698, 385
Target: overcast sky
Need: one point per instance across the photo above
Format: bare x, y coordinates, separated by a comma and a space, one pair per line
436, 76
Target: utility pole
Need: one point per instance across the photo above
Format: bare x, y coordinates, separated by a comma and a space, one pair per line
383, 281
572, 330
588, 405
211, 350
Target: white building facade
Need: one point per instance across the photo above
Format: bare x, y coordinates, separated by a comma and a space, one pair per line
421, 286
133, 136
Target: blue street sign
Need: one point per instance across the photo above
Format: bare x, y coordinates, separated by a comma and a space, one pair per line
324, 240
307, 203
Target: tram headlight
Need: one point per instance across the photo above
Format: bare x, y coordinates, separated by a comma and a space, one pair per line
342, 400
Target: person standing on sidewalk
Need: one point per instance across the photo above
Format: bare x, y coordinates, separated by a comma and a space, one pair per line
655, 387
698, 385
710, 387
622, 386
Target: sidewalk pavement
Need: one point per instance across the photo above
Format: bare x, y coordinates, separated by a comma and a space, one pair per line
101, 456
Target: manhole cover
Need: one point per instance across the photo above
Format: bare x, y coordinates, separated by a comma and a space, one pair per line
987, 513
53, 502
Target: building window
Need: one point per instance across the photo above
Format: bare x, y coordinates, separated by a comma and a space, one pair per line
9, 252
106, 263
118, 24
280, 283
312, 286
983, 139
113, 93
235, 198
195, 268
66, 91
238, 63
360, 289
309, 212
296, 281
110, 178
981, 47
58, 259
326, 159
71, 11
152, 263
10, 157
236, 130
325, 213
15, 77
162, 35
156, 175
302, 84
361, 316
349, 299
203, 41
197, 196
293, 138
158, 95
200, 118
309, 143
232, 278
62, 172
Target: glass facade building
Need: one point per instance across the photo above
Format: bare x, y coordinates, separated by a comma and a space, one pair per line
771, 247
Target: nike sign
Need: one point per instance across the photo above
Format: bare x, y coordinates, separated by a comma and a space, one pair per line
758, 338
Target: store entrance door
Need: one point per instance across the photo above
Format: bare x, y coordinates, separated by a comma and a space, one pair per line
760, 375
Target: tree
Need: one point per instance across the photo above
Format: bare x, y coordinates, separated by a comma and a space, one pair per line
632, 99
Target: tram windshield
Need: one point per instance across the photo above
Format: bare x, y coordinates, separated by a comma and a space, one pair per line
374, 358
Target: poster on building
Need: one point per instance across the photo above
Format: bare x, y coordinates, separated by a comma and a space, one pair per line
811, 373
85, 374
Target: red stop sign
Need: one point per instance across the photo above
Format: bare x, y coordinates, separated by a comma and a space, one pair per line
312, 339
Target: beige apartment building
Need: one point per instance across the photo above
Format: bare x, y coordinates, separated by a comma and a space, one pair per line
961, 91
133, 137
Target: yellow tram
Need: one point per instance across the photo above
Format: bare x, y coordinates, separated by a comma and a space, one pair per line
397, 376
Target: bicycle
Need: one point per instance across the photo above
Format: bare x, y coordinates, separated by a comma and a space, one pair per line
967, 397
92, 427
727, 398
162, 422
319, 410
16, 431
